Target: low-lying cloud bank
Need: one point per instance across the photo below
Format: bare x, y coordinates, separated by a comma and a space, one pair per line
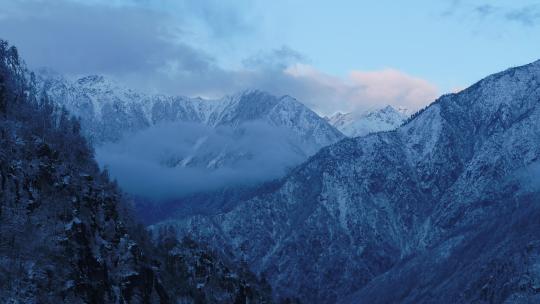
172, 160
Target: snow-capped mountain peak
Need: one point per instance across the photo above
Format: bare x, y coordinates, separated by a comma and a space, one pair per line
101, 103
242, 131
72, 239
440, 210
362, 123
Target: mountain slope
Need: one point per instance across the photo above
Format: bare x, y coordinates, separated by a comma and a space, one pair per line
360, 124
242, 139
109, 111
365, 206
495, 261
64, 233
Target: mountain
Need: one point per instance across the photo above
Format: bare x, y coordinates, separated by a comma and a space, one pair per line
246, 138
362, 123
108, 111
443, 209
65, 231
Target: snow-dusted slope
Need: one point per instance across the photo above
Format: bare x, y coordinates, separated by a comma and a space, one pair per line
359, 124
435, 211
65, 233
250, 137
109, 111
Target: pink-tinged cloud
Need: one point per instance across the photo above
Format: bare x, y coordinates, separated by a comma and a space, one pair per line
361, 90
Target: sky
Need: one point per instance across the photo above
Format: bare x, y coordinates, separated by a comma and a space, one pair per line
334, 56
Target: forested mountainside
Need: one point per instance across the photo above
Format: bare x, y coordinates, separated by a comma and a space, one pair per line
64, 233
442, 209
203, 203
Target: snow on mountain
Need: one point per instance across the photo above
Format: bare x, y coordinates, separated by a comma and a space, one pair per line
248, 137
65, 232
435, 211
362, 123
109, 111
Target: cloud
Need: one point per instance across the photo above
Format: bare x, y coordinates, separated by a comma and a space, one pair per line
453, 6
527, 16
148, 48
485, 10
77, 38
361, 90
392, 86
282, 72
223, 20
173, 160
274, 59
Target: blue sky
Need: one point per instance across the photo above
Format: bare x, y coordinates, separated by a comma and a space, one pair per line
450, 43
333, 55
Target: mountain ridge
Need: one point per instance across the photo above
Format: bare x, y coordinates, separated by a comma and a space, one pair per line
356, 124
372, 201
212, 112
220, 143
65, 230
